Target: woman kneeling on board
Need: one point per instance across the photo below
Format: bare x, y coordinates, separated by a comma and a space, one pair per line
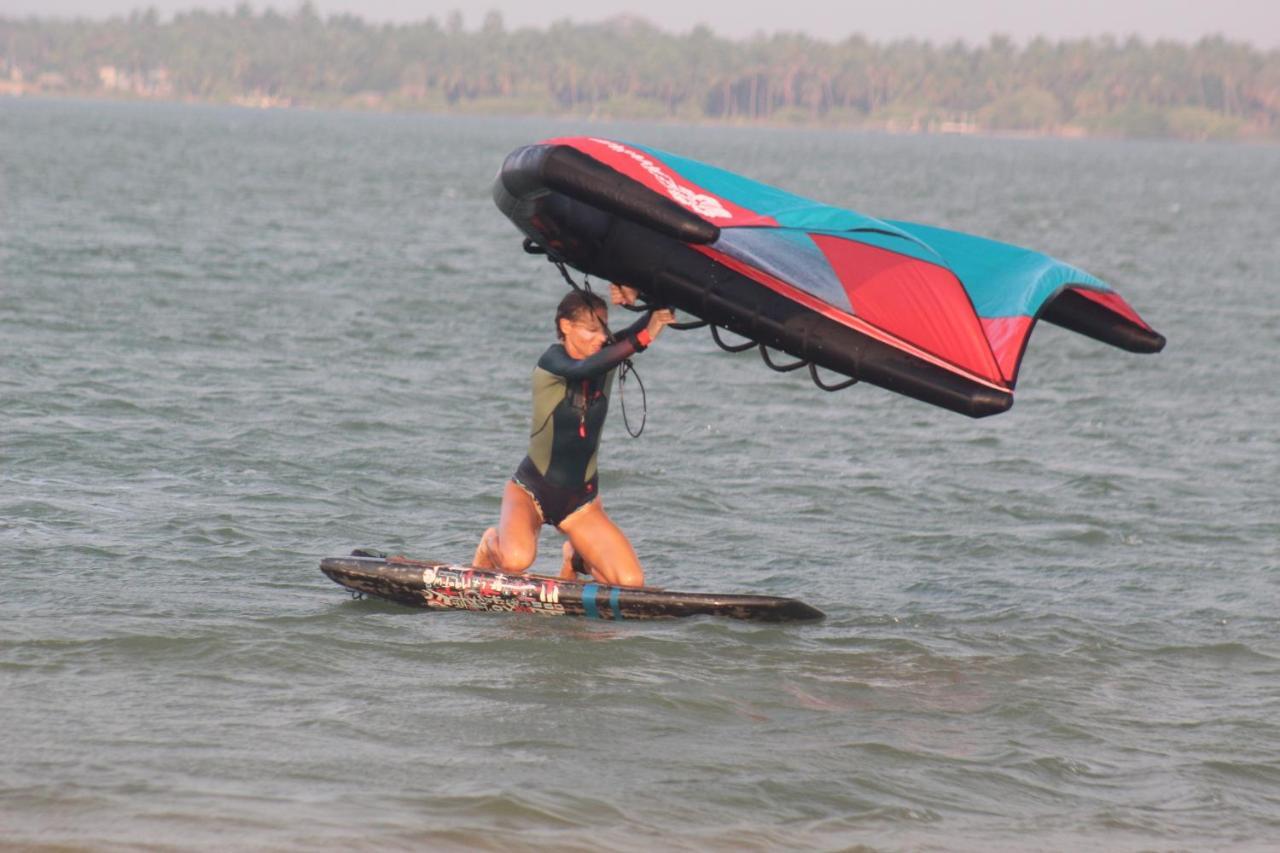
556, 483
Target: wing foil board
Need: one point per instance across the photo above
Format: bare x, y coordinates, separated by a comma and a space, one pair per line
443, 586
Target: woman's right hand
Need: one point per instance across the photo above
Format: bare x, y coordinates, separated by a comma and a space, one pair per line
623, 294
659, 321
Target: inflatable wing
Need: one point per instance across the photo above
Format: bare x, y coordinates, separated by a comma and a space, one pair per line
937, 315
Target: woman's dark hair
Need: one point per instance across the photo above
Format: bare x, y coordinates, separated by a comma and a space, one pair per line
576, 303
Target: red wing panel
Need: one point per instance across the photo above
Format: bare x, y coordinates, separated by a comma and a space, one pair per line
914, 300
662, 179
1007, 336
1114, 302
839, 315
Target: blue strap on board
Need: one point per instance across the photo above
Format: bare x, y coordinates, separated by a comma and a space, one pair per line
592, 609
589, 600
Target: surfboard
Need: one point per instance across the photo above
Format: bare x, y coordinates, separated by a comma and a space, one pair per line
445, 586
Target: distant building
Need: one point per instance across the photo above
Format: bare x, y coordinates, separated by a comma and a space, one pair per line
48, 81
152, 83
960, 127
260, 100
12, 81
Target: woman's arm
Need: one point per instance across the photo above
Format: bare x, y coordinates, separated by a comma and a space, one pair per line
558, 361
635, 338
633, 331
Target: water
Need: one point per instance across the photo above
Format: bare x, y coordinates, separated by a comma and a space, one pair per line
234, 342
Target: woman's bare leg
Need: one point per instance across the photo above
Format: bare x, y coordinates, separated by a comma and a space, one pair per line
513, 544
605, 549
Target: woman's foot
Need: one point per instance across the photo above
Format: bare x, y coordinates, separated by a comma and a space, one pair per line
482, 560
573, 564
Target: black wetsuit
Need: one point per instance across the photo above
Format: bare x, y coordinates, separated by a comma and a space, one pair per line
570, 402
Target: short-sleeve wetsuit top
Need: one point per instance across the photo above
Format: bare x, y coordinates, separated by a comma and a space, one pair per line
570, 402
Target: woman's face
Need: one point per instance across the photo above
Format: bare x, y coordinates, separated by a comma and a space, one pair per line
584, 333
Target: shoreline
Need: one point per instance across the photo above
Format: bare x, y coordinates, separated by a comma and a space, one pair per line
380, 105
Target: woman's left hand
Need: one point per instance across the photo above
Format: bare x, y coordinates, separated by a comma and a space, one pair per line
659, 321
622, 294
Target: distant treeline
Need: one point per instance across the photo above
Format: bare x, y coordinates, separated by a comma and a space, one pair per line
628, 68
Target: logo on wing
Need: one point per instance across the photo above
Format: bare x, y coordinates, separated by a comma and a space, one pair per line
706, 206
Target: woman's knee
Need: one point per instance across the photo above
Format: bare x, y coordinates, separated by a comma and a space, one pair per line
620, 568
628, 576
515, 556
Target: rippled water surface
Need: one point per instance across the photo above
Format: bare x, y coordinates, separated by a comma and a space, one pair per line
232, 343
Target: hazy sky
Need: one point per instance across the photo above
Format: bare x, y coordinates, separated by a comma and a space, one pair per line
1256, 21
